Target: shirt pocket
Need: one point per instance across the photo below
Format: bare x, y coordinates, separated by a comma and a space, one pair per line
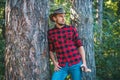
69, 36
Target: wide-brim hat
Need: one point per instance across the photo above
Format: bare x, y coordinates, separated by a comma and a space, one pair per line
55, 12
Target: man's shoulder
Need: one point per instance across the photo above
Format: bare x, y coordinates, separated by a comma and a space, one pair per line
66, 26
51, 30
69, 26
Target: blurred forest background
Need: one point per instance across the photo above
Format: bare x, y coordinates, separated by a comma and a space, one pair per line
106, 15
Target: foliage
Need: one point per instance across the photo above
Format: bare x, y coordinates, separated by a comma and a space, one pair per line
2, 41
107, 53
2, 46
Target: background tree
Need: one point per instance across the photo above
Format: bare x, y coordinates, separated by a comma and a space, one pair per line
83, 9
98, 20
26, 53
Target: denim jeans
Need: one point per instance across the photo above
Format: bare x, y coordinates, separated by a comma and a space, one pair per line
73, 70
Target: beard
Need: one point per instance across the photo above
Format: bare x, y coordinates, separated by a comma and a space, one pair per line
61, 24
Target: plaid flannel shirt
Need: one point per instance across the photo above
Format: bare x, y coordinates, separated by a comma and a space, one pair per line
65, 42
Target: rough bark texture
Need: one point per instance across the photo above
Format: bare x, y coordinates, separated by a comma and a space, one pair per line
85, 28
99, 19
26, 56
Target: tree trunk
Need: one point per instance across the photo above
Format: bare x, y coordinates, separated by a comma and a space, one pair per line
83, 9
99, 19
26, 55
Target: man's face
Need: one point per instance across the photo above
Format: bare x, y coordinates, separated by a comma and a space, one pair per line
59, 19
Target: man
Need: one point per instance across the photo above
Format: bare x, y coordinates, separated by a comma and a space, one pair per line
65, 42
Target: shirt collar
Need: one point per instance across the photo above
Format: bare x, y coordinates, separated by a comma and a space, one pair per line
59, 28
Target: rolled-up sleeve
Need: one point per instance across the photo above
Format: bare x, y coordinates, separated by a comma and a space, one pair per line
50, 43
76, 38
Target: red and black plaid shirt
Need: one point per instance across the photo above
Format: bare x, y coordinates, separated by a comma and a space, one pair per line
65, 42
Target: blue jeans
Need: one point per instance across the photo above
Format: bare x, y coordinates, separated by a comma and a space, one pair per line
73, 70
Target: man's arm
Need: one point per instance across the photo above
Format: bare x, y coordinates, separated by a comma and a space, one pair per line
56, 66
51, 50
79, 45
82, 53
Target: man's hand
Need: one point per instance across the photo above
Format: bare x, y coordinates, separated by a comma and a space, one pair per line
84, 68
56, 66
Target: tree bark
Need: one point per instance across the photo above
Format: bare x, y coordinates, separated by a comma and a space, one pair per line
84, 20
26, 54
99, 19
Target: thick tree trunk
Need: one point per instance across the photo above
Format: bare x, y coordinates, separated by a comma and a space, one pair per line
26, 56
85, 29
